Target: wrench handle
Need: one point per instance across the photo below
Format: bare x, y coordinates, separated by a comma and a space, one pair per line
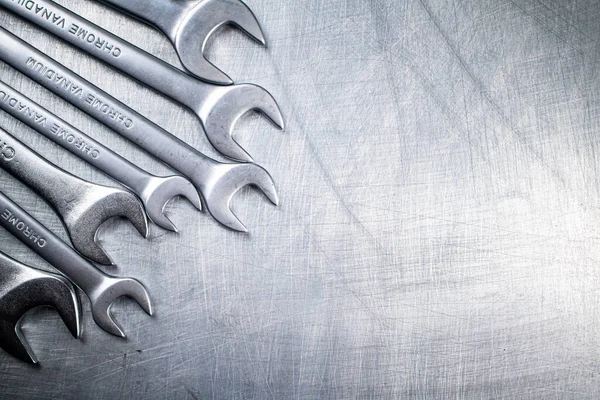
109, 111
118, 53
71, 139
58, 187
49, 246
164, 15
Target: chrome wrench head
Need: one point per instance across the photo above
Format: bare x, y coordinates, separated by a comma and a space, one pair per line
101, 289
225, 180
110, 289
23, 288
226, 105
160, 190
199, 23
84, 215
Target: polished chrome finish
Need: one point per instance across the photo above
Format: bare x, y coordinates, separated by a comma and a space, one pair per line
216, 181
189, 25
217, 107
101, 289
154, 191
23, 288
83, 206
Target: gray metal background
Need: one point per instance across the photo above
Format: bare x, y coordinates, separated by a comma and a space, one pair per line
438, 232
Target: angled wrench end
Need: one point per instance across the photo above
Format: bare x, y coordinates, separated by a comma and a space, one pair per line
101, 203
240, 15
24, 288
227, 107
199, 23
160, 190
112, 289
70, 308
273, 197
232, 178
14, 343
165, 223
227, 218
203, 68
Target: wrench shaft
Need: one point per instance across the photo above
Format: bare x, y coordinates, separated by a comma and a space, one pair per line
58, 187
48, 246
113, 50
165, 15
71, 139
104, 108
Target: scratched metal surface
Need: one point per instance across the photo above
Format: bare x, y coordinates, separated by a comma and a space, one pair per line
438, 231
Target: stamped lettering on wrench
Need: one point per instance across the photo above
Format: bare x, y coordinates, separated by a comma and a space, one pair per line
83, 34
22, 108
54, 77
73, 89
77, 142
42, 12
90, 38
23, 228
106, 108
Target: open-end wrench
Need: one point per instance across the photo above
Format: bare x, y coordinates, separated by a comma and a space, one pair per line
23, 288
101, 289
216, 181
83, 206
189, 23
217, 107
154, 191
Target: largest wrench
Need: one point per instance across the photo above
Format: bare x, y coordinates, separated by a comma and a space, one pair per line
217, 107
189, 23
101, 289
217, 182
23, 288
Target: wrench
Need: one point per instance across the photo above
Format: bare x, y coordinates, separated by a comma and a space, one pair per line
83, 206
23, 288
100, 288
154, 191
217, 182
189, 24
217, 107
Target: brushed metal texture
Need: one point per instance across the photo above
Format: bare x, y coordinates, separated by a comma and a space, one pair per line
438, 233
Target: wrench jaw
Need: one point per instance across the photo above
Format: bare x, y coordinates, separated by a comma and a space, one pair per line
199, 23
227, 180
226, 106
14, 343
160, 190
27, 289
105, 294
61, 295
83, 220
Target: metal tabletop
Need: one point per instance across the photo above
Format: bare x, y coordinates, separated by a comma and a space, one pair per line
438, 233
